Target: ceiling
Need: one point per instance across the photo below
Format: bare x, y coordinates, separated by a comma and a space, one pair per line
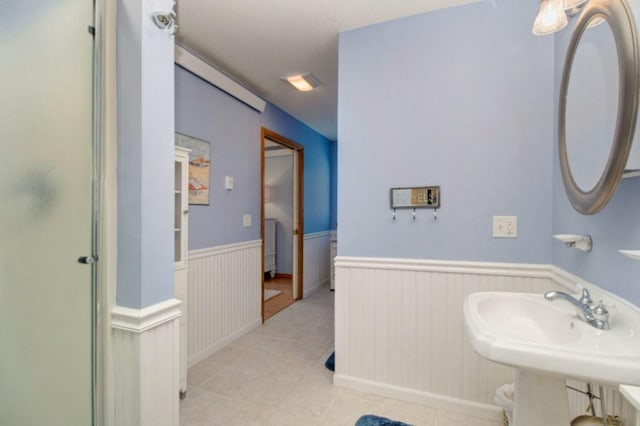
258, 42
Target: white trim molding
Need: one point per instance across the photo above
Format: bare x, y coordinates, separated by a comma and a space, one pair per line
145, 364
208, 73
141, 320
227, 248
439, 401
447, 266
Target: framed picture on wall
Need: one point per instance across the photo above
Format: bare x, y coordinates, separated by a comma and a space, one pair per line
199, 168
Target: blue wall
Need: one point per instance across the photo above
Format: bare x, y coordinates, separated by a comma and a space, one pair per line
145, 159
616, 227
204, 112
466, 98
334, 185
461, 98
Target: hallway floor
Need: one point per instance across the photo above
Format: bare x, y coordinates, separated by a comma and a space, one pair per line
275, 375
281, 301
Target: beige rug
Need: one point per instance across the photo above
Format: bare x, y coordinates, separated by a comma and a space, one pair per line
268, 293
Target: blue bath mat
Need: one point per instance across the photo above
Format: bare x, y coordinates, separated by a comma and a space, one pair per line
330, 363
371, 420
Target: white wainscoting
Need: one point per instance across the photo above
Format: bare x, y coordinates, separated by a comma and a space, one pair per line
224, 296
145, 365
317, 266
400, 332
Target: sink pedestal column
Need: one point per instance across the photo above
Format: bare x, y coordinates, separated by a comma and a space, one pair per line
540, 400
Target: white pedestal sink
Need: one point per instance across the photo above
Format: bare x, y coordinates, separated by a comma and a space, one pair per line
540, 400
546, 342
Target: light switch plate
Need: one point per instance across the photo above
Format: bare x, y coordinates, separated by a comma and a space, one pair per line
505, 226
246, 221
228, 182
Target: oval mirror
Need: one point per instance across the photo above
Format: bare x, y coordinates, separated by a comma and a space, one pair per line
598, 103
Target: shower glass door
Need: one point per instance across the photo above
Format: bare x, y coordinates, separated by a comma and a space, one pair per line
46, 177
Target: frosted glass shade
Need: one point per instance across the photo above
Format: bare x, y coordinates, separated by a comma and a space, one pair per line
551, 17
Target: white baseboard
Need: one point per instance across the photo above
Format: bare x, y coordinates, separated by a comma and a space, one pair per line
215, 347
442, 402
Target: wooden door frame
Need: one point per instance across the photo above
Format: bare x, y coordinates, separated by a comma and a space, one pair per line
298, 228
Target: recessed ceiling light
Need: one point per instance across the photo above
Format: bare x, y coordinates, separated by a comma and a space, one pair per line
303, 82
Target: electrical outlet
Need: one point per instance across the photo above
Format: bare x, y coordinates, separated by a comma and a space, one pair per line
246, 221
505, 226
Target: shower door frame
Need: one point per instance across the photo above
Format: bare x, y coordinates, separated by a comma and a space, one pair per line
96, 340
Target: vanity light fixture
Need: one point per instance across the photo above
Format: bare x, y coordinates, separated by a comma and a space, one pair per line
551, 17
581, 242
303, 82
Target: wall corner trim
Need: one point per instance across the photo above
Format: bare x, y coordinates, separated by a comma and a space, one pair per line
205, 71
141, 320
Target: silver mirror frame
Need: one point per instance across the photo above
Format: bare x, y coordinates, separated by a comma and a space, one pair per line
619, 16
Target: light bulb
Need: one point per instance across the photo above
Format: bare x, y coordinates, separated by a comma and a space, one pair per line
550, 18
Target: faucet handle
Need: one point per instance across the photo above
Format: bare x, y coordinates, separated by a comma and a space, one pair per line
586, 298
599, 310
600, 315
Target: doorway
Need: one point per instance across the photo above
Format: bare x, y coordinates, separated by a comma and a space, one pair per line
48, 228
281, 221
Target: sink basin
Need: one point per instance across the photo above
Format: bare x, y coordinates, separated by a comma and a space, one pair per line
528, 332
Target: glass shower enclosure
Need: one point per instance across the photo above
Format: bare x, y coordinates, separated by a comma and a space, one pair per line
47, 295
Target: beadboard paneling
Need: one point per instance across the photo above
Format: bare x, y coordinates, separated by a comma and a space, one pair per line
145, 357
317, 266
400, 331
224, 296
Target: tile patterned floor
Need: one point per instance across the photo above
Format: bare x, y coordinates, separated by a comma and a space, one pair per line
275, 376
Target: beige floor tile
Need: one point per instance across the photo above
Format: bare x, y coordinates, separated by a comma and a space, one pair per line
308, 406
229, 412
350, 393
202, 372
275, 376
346, 410
225, 382
413, 414
319, 376
444, 418
197, 408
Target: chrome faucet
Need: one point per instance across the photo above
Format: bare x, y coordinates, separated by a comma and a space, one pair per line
594, 314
